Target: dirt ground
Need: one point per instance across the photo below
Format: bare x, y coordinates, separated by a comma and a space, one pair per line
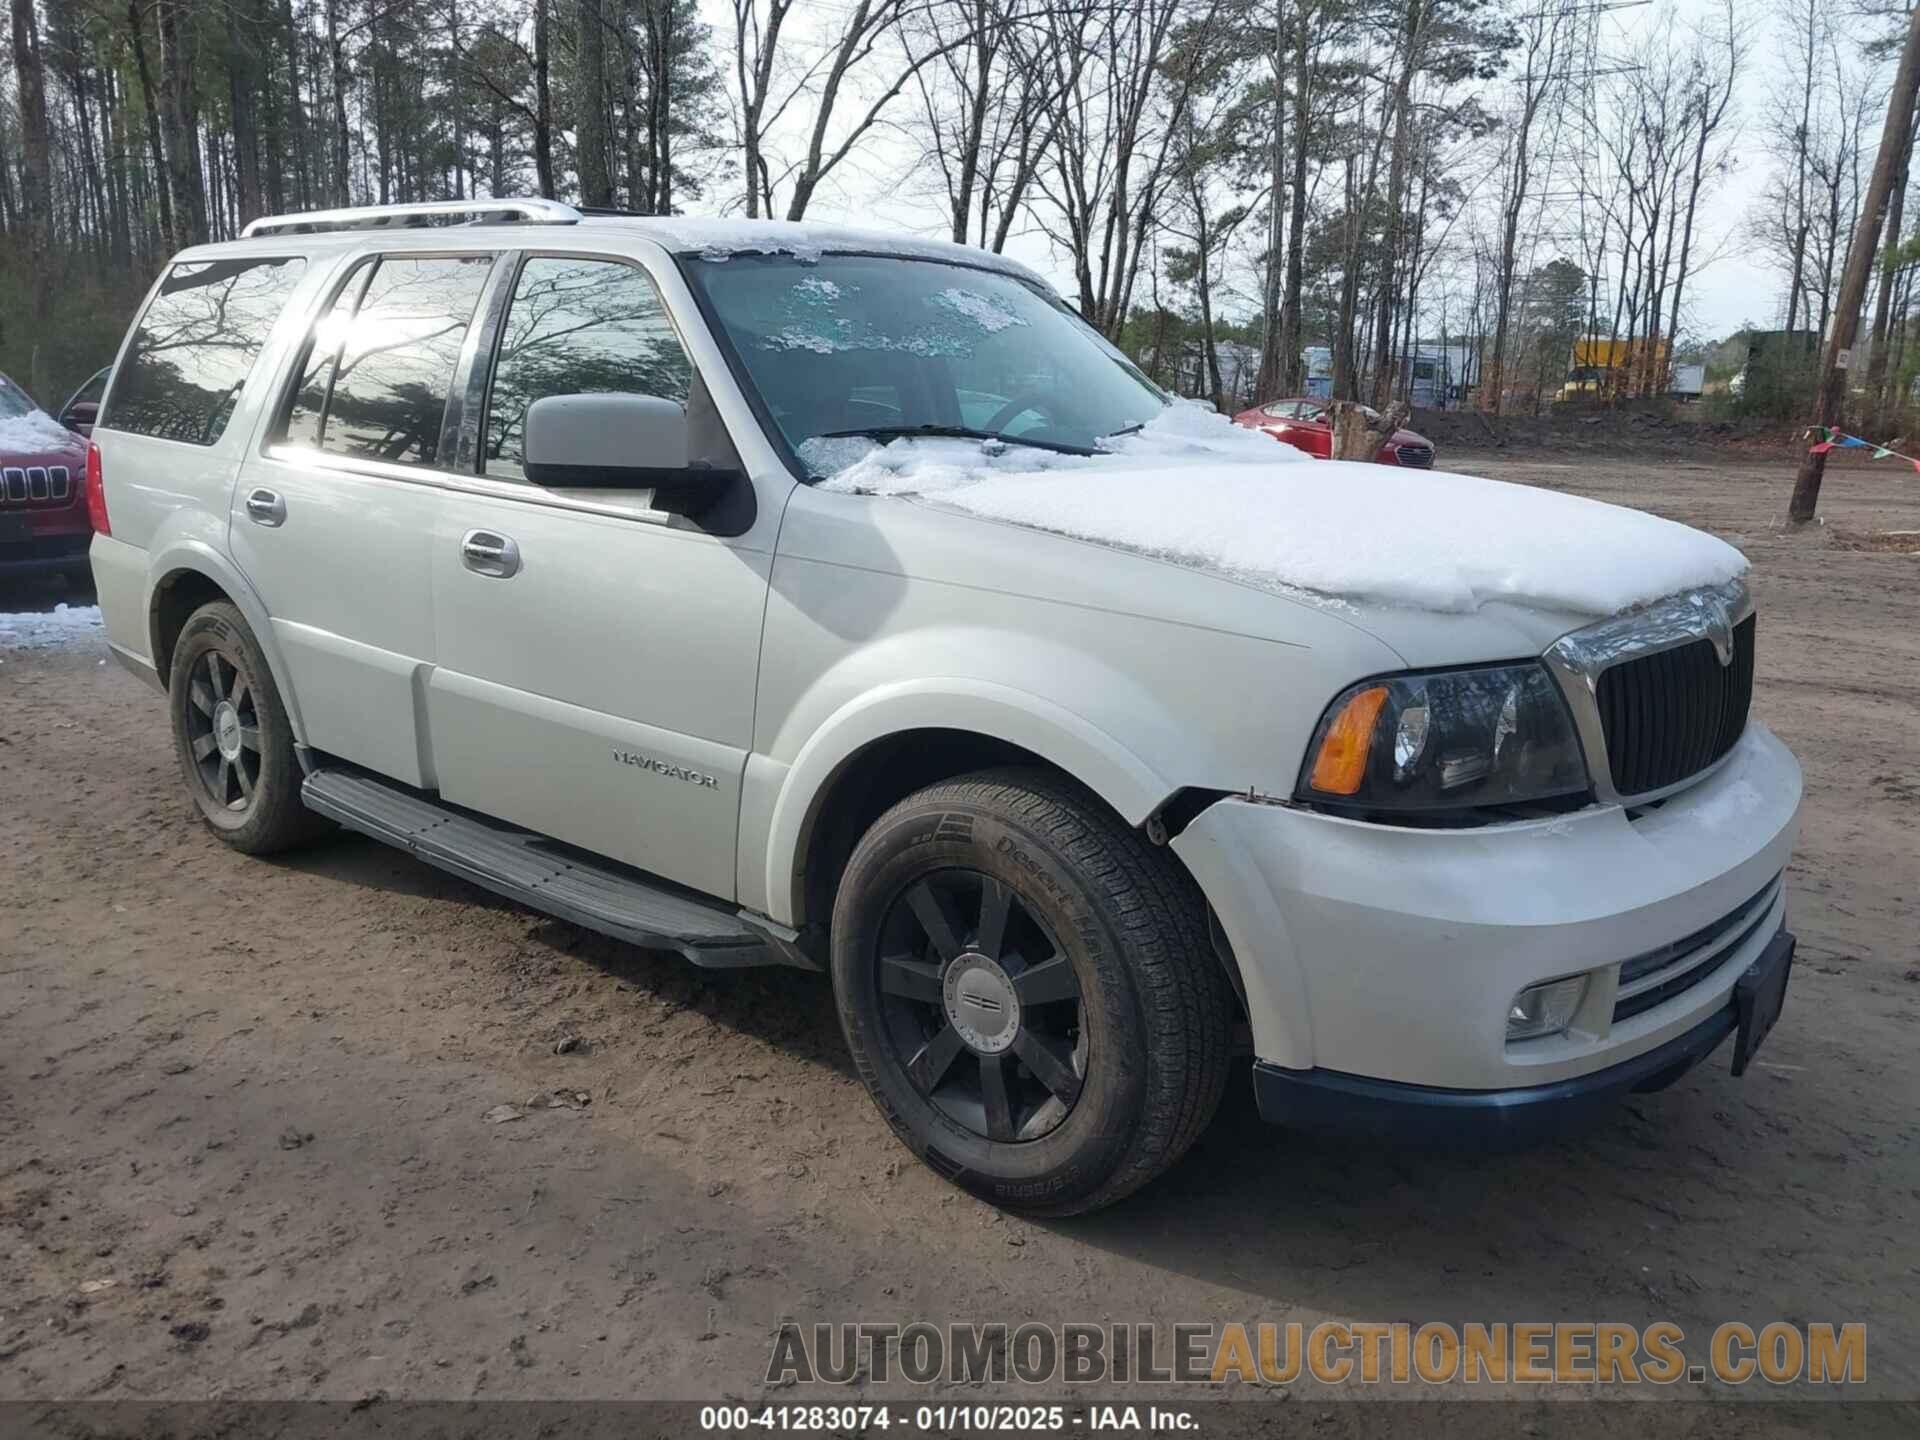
245, 1145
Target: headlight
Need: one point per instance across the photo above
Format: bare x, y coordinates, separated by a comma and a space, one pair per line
1495, 736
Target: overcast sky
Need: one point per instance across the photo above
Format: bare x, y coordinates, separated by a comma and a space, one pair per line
879, 184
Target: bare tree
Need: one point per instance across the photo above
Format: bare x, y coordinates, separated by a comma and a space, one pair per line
1896, 141
1546, 36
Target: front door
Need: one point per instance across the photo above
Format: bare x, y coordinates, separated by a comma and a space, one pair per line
332, 526
596, 660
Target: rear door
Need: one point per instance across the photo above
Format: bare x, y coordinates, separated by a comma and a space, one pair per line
599, 686
332, 523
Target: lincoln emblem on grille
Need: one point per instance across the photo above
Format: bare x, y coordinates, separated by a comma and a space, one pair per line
1720, 630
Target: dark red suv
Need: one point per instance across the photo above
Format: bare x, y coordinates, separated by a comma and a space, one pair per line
43, 505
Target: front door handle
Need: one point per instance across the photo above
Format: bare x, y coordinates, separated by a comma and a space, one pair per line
485, 553
264, 507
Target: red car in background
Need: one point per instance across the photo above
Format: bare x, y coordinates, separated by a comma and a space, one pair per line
1303, 425
43, 483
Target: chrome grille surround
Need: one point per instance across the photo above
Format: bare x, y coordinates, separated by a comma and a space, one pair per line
1579, 658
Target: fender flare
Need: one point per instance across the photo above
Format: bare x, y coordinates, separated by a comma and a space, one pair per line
999, 712
188, 554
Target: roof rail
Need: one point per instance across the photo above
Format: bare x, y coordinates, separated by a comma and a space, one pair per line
380, 217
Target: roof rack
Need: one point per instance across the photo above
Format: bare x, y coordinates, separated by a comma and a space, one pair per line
380, 217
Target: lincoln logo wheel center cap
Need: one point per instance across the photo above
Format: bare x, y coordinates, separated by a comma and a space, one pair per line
226, 729
981, 1004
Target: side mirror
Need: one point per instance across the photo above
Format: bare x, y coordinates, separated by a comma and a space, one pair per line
613, 442
80, 415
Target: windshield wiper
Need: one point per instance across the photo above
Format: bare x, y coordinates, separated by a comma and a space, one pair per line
949, 432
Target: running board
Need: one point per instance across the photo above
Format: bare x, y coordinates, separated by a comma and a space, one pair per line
545, 875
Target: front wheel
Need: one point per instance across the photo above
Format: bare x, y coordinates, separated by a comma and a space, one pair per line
1029, 991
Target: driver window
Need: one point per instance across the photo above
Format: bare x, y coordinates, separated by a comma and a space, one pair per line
577, 326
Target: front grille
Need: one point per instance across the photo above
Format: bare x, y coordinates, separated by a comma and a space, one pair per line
1658, 975
1418, 456
1671, 714
20, 485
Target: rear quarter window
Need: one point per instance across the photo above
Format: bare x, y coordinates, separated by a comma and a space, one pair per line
195, 346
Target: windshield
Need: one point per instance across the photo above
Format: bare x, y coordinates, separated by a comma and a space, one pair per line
847, 346
14, 402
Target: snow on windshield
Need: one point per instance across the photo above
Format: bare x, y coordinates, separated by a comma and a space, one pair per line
1192, 487
986, 312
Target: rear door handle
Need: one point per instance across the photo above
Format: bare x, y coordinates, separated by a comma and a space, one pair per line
264, 507
485, 553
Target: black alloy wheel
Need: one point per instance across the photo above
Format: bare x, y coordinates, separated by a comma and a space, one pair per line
223, 731
980, 1006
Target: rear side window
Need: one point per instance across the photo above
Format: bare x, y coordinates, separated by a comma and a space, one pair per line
376, 379
576, 327
195, 346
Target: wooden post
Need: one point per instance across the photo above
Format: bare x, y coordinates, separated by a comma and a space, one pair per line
1895, 139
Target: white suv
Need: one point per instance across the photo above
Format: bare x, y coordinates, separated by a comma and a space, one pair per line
778, 594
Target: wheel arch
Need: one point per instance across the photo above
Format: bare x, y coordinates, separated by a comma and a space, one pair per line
884, 746
190, 575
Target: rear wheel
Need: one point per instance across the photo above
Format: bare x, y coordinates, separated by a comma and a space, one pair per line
233, 738
1029, 992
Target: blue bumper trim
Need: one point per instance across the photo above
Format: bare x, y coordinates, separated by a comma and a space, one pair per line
1426, 1115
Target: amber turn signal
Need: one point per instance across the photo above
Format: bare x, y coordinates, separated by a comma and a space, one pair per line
1342, 762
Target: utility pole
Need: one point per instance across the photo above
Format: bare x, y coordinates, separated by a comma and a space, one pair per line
1896, 138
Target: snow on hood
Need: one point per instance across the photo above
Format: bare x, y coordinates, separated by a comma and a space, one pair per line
34, 433
1192, 487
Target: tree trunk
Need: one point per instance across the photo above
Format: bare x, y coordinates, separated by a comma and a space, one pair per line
1383, 366
149, 102
1889, 272
590, 105
1896, 139
243, 75
543, 103
1355, 437
342, 176
1800, 155
182, 115
1291, 328
36, 176
1272, 364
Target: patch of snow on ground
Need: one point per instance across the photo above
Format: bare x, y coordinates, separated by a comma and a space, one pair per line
34, 432
1193, 487
50, 629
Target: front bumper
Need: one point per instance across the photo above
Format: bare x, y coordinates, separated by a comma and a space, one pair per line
1428, 1116
1383, 953
46, 550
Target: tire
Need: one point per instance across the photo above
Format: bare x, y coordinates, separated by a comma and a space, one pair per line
222, 699
1051, 1055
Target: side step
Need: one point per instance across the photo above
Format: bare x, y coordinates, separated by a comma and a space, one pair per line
544, 874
